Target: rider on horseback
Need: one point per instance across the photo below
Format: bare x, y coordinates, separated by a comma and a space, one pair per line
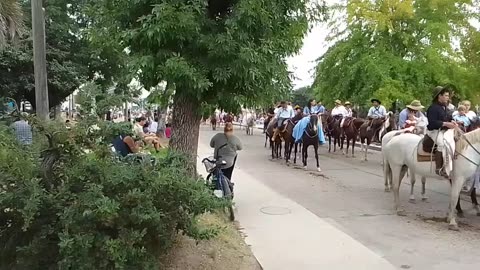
348, 112
284, 112
407, 117
438, 123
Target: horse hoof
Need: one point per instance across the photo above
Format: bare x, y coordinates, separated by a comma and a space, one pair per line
461, 215
412, 200
387, 189
401, 213
453, 227
478, 214
424, 199
319, 170
305, 168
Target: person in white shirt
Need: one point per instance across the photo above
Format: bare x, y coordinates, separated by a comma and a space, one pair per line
377, 110
339, 110
348, 112
152, 128
283, 113
470, 114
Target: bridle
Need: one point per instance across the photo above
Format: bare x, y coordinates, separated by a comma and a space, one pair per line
471, 145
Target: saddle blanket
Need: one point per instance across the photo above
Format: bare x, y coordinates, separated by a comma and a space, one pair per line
300, 127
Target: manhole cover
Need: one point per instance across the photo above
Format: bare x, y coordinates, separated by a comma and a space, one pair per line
274, 210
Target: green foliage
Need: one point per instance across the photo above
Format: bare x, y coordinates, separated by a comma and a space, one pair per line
93, 100
399, 50
71, 58
78, 210
301, 96
11, 20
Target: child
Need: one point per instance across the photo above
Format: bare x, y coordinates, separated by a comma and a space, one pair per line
411, 121
461, 118
168, 131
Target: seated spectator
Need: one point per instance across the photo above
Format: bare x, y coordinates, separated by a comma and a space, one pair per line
461, 118
146, 137
152, 128
125, 145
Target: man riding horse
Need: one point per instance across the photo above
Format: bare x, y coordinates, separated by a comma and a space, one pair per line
438, 123
377, 115
284, 113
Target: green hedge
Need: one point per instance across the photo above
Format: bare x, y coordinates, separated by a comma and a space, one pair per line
90, 211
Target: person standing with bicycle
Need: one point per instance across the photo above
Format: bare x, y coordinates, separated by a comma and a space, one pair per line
226, 146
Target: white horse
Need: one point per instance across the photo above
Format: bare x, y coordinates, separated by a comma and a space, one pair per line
420, 129
401, 154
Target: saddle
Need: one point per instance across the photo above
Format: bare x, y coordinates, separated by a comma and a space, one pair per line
348, 122
426, 153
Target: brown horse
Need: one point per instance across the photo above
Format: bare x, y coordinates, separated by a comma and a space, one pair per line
351, 127
375, 129
276, 146
287, 134
334, 131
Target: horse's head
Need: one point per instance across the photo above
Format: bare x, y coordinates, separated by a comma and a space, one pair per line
314, 121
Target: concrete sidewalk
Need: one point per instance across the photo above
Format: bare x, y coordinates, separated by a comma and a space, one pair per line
285, 235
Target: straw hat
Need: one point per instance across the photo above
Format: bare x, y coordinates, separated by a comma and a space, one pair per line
415, 105
338, 101
375, 99
347, 103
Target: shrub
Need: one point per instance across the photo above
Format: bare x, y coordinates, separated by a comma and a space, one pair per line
73, 210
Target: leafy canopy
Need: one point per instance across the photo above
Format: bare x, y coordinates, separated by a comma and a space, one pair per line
222, 53
398, 50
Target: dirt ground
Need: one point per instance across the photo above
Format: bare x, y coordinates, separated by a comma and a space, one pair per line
226, 251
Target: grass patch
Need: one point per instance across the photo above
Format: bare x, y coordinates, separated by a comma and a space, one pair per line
226, 251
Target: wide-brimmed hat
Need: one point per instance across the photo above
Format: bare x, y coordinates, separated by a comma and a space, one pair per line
338, 101
375, 99
297, 107
415, 105
348, 103
436, 91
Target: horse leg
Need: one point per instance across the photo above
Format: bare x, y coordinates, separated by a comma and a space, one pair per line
295, 154
316, 156
387, 175
348, 146
473, 196
397, 175
457, 184
304, 155
329, 143
424, 196
413, 179
366, 149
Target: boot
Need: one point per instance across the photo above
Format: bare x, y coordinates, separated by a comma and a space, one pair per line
439, 164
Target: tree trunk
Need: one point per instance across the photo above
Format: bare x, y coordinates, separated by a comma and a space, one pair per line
186, 128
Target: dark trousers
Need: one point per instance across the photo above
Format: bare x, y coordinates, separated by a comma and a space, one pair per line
227, 172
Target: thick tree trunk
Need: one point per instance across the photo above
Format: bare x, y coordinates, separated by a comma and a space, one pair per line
186, 128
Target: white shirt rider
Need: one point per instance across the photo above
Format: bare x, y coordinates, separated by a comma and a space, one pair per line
339, 110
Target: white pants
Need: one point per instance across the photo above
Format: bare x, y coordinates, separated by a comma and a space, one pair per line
341, 123
437, 137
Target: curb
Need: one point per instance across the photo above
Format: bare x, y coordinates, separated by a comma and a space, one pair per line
371, 147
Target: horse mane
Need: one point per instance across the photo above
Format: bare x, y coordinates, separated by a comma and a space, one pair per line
466, 139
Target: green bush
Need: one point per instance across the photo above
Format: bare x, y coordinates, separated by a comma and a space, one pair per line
76, 210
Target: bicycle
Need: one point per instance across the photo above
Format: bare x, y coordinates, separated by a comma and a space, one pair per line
222, 186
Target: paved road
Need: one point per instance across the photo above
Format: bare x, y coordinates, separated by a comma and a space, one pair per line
350, 195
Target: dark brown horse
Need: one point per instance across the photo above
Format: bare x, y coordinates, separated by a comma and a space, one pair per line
286, 133
310, 137
276, 146
374, 129
351, 128
333, 130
